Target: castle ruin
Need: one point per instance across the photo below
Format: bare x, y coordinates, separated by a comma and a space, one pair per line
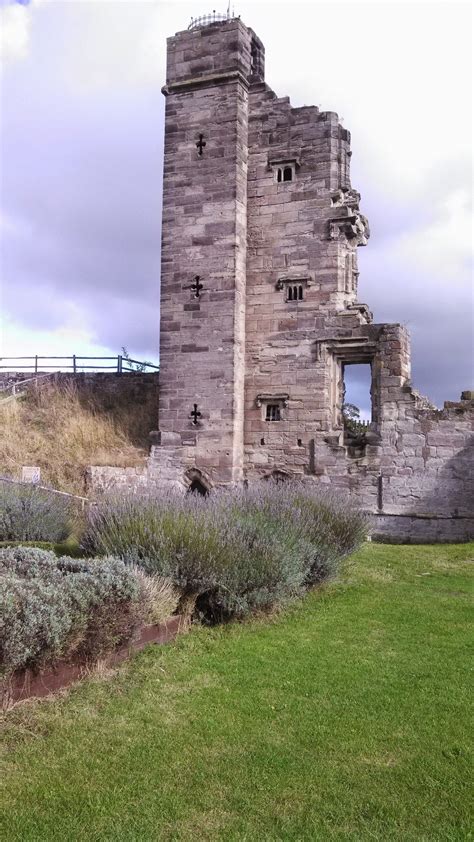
260, 313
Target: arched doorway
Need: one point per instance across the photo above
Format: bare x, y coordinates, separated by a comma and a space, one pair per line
197, 487
277, 476
197, 483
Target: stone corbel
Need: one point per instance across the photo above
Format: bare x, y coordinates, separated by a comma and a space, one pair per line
347, 197
353, 227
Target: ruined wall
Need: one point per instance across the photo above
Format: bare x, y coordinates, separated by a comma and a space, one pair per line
260, 314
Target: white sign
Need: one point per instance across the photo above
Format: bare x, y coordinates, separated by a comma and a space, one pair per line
31, 474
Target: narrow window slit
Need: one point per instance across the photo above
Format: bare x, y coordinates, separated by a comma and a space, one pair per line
200, 144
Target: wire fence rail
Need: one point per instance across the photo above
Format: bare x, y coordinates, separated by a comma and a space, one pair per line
76, 364
83, 501
18, 388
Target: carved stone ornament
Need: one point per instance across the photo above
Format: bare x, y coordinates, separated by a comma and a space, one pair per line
354, 227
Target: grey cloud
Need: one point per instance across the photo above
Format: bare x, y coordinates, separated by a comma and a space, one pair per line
81, 187
82, 198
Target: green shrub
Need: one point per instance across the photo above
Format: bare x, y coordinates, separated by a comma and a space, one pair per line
28, 513
232, 552
51, 608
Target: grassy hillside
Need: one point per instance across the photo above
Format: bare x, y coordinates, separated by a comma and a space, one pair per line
345, 718
63, 432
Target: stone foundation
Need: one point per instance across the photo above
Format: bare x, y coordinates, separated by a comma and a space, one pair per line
416, 529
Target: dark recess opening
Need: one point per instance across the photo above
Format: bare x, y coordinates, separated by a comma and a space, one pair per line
197, 487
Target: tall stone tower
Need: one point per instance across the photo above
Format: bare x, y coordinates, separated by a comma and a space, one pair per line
260, 227
204, 249
259, 309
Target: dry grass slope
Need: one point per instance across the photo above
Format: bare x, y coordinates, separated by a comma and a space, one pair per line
62, 432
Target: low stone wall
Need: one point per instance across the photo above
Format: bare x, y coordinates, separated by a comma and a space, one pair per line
417, 529
101, 479
106, 388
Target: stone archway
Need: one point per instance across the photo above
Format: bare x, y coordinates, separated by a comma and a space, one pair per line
197, 483
278, 476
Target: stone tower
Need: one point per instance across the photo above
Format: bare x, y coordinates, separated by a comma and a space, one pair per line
260, 228
259, 308
204, 249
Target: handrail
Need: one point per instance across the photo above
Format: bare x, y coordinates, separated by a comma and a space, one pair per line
214, 17
20, 383
84, 500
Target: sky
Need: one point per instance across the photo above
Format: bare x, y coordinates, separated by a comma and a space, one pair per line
81, 148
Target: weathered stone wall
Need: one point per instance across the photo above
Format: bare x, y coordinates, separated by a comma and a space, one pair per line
103, 479
204, 243
416, 529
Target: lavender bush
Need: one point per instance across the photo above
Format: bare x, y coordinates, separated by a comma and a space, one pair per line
28, 513
232, 552
52, 607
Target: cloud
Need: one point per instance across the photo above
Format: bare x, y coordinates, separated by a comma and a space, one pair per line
15, 24
81, 160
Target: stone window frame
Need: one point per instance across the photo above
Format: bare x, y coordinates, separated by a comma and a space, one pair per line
280, 166
288, 283
264, 401
352, 351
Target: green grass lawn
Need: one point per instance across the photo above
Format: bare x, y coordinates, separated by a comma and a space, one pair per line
344, 718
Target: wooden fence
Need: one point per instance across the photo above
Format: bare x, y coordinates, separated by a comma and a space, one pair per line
119, 364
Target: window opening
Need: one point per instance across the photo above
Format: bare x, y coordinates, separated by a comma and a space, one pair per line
356, 396
195, 415
201, 144
273, 412
356, 406
294, 292
197, 286
284, 172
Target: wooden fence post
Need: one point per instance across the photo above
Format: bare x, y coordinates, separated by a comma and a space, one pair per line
74, 363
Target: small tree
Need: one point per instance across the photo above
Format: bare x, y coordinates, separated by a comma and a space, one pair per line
351, 417
134, 366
